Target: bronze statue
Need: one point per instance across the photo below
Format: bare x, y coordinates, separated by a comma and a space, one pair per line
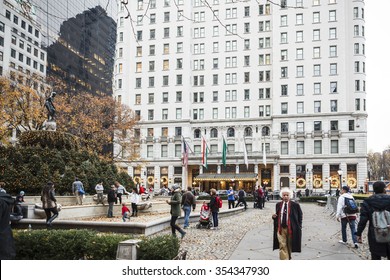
50, 107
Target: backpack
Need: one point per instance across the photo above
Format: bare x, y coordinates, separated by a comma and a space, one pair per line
218, 200
381, 223
350, 206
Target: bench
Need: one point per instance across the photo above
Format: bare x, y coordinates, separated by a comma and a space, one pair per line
321, 202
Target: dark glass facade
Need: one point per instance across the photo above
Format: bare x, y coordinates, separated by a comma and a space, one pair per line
80, 39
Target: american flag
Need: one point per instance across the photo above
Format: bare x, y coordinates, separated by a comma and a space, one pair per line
185, 153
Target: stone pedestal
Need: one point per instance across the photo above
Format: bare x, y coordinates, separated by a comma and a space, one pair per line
127, 250
50, 125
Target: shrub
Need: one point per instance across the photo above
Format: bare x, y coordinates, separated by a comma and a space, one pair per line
50, 139
66, 244
162, 247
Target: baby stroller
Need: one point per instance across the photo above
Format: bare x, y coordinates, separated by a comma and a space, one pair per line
204, 219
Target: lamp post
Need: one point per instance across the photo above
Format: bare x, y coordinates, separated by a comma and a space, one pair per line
340, 172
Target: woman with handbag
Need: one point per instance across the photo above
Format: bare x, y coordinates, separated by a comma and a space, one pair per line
49, 203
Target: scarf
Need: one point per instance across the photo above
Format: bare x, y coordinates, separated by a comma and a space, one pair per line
289, 229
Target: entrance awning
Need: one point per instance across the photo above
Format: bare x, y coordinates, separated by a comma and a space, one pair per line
226, 177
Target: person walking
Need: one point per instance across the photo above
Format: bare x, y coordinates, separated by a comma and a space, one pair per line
214, 207
134, 198
78, 191
120, 190
346, 218
7, 243
175, 210
260, 196
111, 199
99, 191
188, 202
49, 203
287, 226
230, 196
241, 198
379, 201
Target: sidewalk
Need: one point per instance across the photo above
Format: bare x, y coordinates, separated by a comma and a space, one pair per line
320, 236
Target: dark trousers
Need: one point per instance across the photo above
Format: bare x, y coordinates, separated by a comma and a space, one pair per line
134, 209
119, 196
215, 219
174, 226
241, 200
231, 204
378, 257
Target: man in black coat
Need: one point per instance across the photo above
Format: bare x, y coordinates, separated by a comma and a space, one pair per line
379, 201
7, 246
287, 226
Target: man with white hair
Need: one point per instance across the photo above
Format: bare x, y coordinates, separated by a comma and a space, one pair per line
287, 226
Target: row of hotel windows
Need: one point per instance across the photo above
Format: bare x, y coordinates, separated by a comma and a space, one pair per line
264, 110
231, 148
231, 45
28, 27
231, 79
28, 61
248, 132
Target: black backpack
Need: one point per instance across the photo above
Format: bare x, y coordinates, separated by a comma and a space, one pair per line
350, 206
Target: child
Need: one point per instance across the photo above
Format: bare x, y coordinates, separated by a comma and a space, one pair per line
125, 212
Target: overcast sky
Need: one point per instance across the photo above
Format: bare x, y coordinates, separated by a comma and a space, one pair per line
378, 73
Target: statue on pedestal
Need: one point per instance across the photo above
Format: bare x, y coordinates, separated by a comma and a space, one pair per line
50, 123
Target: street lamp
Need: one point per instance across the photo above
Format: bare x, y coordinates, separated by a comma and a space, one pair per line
340, 172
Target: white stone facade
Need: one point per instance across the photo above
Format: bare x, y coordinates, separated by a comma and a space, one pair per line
292, 77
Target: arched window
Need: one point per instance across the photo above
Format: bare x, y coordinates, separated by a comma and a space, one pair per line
213, 133
265, 131
248, 132
197, 133
230, 132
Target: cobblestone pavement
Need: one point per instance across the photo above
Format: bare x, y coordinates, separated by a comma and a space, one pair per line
248, 235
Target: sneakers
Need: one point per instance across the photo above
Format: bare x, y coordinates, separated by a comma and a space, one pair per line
356, 246
342, 242
185, 227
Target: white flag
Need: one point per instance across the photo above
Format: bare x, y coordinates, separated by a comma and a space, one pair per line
245, 155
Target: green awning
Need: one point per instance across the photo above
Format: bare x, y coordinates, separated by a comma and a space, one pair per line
226, 177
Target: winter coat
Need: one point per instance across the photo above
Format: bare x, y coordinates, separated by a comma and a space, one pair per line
175, 203
213, 204
341, 205
48, 199
294, 227
188, 199
111, 196
374, 202
7, 245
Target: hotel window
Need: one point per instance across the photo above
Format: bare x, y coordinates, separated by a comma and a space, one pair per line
334, 146
317, 147
215, 79
138, 82
317, 126
179, 96
179, 47
215, 63
317, 106
138, 99
333, 69
316, 52
332, 33
284, 147
151, 65
300, 127
166, 32
179, 31
316, 69
299, 71
215, 115
283, 55
333, 105
139, 35
246, 44
164, 151
284, 72
299, 36
284, 108
216, 31
333, 87
246, 27
165, 81
179, 63
179, 80
334, 125
215, 96
299, 54
215, 47
351, 145
138, 67
268, 110
316, 35
357, 66
166, 16
150, 115
152, 18
151, 98
300, 89
164, 114
246, 11
357, 104
178, 113
149, 151
351, 125
300, 147
299, 19
316, 17
284, 127
332, 15
283, 22
166, 49
261, 111
283, 38
300, 108
246, 94
317, 88
165, 97
333, 51
284, 90
152, 50
357, 85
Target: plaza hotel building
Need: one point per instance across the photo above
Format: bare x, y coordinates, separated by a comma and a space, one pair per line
281, 82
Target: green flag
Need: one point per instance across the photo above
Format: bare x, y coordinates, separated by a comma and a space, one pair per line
224, 149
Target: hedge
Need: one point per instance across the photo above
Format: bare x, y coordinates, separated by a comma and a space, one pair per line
88, 244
